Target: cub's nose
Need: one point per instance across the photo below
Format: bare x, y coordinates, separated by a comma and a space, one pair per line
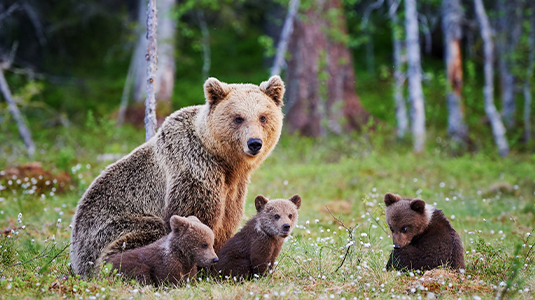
396, 246
286, 227
254, 144
215, 260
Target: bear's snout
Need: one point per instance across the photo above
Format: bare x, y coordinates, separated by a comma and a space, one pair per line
286, 227
254, 145
215, 260
396, 246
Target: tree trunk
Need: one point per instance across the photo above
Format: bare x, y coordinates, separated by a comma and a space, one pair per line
509, 30
165, 75
370, 56
287, 30
415, 76
399, 77
19, 119
452, 16
529, 74
498, 129
205, 45
152, 63
320, 77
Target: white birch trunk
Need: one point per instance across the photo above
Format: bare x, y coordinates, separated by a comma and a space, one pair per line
205, 45
152, 66
498, 129
287, 30
529, 74
415, 76
399, 77
19, 119
126, 92
452, 16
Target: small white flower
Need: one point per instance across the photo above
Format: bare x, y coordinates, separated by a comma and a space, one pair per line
363, 234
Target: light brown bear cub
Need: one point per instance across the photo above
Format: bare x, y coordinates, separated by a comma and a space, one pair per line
423, 237
171, 258
254, 249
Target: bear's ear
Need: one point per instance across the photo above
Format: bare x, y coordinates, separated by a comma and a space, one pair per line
215, 90
274, 89
179, 224
418, 205
391, 199
194, 219
259, 202
296, 199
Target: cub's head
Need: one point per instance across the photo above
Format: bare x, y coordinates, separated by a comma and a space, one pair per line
406, 218
194, 239
242, 121
277, 217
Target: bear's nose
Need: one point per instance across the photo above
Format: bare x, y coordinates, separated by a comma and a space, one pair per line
286, 227
215, 259
254, 144
396, 246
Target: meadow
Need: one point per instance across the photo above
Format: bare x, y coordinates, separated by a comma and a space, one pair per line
340, 247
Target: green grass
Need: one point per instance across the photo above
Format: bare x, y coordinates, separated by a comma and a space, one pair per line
489, 200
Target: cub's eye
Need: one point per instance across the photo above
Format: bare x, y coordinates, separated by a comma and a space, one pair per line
263, 119
404, 229
204, 246
290, 216
392, 230
277, 217
238, 119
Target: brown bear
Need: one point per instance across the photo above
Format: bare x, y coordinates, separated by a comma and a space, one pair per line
171, 258
198, 163
254, 249
423, 237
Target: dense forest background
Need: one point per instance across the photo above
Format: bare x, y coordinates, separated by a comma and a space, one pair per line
65, 61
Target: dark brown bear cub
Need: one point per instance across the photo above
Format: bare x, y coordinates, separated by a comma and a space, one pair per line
171, 258
253, 250
423, 237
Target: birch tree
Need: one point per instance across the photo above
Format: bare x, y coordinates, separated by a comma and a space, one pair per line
152, 65
498, 129
529, 74
452, 16
287, 30
399, 77
415, 76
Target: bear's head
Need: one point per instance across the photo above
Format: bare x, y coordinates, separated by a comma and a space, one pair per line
406, 218
277, 217
193, 239
241, 122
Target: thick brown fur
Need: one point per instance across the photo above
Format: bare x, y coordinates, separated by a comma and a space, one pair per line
197, 164
423, 237
171, 258
254, 249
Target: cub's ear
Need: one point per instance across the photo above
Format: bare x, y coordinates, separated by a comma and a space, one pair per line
215, 90
259, 202
296, 199
179, 224
274, 89
418, 205
194, 219
391, 199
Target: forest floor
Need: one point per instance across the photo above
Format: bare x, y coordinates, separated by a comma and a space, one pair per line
489, 200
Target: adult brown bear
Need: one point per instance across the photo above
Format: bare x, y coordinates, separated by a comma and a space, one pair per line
199, 163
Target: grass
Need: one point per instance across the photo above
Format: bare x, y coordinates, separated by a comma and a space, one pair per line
489, 200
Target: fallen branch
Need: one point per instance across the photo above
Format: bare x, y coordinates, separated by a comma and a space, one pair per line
350, 231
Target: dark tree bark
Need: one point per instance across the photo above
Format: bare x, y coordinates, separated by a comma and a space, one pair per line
152, 63
452, 16
498, 129
321, 93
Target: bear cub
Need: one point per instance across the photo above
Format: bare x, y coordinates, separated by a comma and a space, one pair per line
171, 258
423, 237
253, 250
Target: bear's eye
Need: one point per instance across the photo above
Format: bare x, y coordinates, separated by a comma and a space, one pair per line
238, 119
263, 119
392, 230
290, 216
204, 246
277, 217
404, 229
